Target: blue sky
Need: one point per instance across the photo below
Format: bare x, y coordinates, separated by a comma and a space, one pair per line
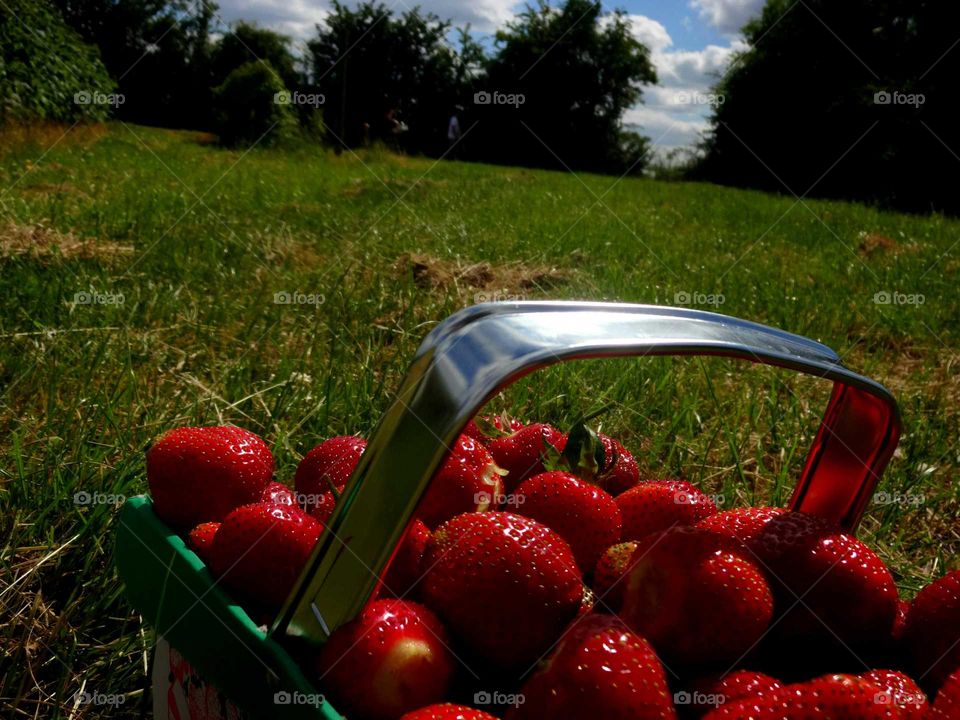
691, 43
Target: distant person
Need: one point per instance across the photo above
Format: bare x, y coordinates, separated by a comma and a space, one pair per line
453, 130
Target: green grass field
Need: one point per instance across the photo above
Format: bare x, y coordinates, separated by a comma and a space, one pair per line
138, 274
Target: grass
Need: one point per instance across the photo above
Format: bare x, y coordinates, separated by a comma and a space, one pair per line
197, 240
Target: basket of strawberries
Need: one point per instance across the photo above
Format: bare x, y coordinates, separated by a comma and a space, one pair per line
457, 567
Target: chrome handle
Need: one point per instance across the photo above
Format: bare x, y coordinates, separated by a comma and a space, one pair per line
476, 352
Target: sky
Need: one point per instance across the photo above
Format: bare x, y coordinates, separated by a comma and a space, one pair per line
691, 42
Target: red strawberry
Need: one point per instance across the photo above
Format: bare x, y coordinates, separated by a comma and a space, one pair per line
621, 472
447, 711
468, 481
832, 697
198, 474
899, 623
322, 511
743, 524
521, 454
712, 691
583, 514
201, 538
600, 669
260, 550
899, 690
406, 568
946, 706
830, 587
390, 660
588, 603
661, 504
278, 494
697, 596
489, 427
932, 633
608, 577
327, 466
504, 584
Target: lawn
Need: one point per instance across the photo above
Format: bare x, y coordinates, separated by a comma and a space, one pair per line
143, 274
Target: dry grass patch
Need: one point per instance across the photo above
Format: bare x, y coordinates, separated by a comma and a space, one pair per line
44, 243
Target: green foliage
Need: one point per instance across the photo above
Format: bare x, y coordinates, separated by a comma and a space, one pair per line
246, 42
252, 105
46, 70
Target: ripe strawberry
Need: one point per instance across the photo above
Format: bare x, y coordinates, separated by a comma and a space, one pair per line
946, 706
900, 690
583, 514
406, 569
480, 563
697, 596
608, 577
197, 474
743, 524
830, 587
621, 472
600, 669
661, 504
327, 466
278, 494
322, 511
390, 660
260, 550
835, 697
468, 481
521, 454
448, 711
489, 427
712, 691
201, 538
587, 603
933, 630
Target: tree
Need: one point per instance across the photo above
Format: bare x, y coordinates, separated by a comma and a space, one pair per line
555, 92
250, 106
246, 43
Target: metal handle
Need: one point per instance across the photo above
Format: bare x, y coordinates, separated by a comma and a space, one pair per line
477, 351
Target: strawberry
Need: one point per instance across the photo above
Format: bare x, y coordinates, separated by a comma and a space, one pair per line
587, 603
583, 514
327, 466
660, 504
406, 569
600, 669
393, 658
521, 453
504, 584
833, 697
932, 632
201, 538
489, 427
697, 596
621, 472
743, 524
260, 550
198, 474
707, 693
608, 577
830, 588
946, 706
899, 690
448, 711
322, 511
468, 481
278, 494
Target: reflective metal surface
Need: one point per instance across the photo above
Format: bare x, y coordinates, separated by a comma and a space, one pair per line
476, 352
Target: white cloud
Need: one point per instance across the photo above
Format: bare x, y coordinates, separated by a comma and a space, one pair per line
728, 16
650, 32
